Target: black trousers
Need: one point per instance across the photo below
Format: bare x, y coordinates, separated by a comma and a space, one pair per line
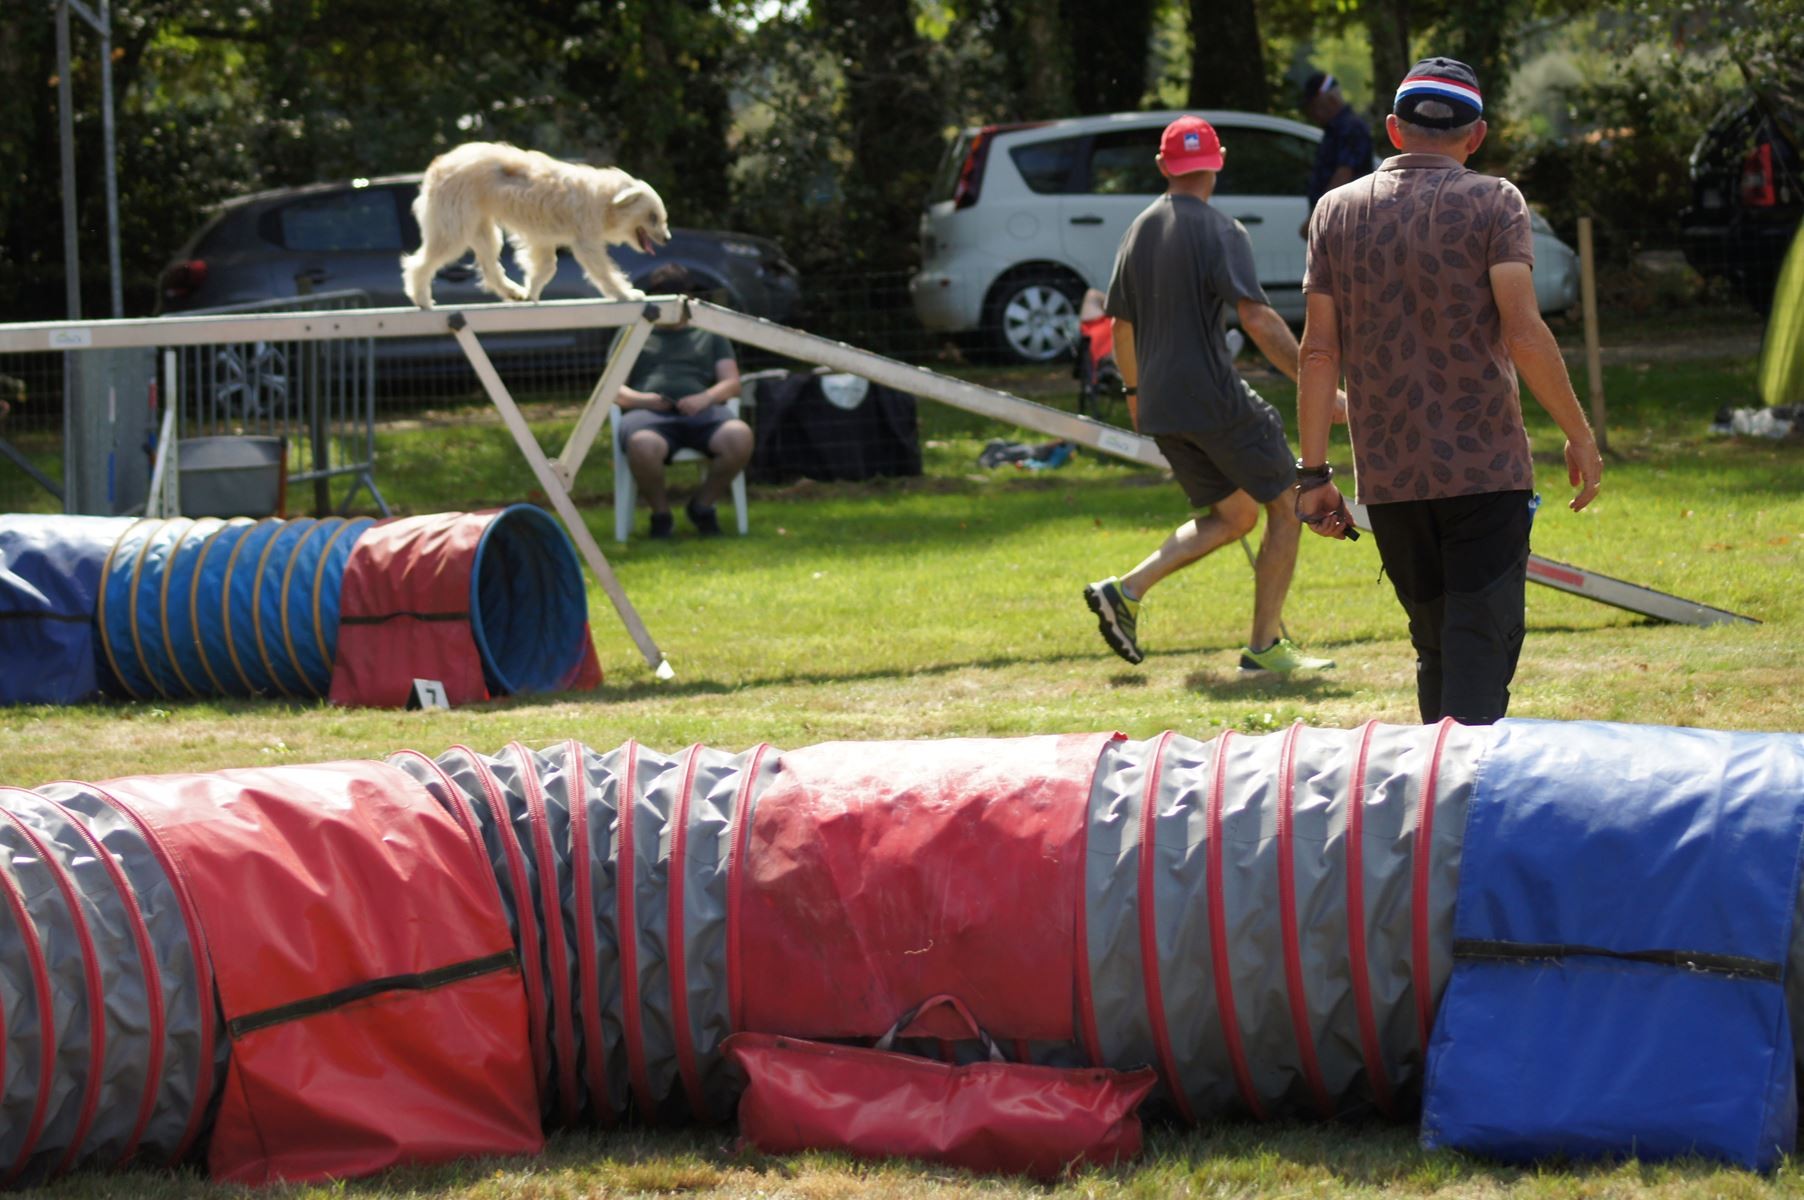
1460, 566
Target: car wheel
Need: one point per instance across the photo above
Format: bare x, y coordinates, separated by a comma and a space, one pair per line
1033, 317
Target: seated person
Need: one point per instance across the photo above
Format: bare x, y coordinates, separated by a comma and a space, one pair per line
675, 399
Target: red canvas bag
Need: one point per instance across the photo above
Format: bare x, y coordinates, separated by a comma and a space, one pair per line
993, 1116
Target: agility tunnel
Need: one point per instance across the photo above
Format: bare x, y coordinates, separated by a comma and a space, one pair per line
1544, 938
489, 604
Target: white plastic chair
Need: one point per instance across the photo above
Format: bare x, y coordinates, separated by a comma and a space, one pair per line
626, 488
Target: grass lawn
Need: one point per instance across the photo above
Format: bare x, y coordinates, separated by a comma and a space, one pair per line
949, 605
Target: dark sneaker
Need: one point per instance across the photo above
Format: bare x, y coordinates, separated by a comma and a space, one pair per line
705, 520
1116, 616
662, 526
1280, 658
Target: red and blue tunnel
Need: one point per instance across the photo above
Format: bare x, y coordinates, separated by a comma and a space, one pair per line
1543, 938
489, 604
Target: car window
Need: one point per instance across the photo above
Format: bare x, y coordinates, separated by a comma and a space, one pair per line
1264, 162
1046, 166
364, 219
945, 179
1122, 163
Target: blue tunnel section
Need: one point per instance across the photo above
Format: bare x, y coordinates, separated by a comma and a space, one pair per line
1626, 916
50, 574
526, 597
233, 608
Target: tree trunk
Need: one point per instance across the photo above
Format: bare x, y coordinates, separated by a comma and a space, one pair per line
1108, 44
1227, 59
1387, 26
1040, 58
894, 125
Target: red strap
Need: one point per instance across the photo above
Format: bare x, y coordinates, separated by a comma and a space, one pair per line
96, 998
155, 1018
1218, 937
742, 832
1149, 930
628, 930
1356, 930
531, 963
1287, 919
1419, 890
539, 822
40, 979
198, 949
595, 1046
674, 944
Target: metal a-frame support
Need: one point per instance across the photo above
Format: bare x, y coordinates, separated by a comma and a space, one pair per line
555, 478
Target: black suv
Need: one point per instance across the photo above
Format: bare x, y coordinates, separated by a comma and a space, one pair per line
350, 236
1747, 182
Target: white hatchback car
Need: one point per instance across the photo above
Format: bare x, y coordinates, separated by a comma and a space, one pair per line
1023, 218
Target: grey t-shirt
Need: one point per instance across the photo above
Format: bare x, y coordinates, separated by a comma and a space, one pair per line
1180, 267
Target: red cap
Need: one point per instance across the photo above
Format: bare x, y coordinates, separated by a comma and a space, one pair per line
1190, 144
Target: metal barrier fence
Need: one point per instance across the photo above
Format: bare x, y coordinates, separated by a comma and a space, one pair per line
319, 397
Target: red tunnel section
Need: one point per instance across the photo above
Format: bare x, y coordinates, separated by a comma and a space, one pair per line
363, 967
870, 880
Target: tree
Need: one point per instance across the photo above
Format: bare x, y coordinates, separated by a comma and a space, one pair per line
1227, 56
1109, 52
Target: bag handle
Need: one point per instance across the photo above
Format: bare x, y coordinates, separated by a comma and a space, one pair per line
946, 999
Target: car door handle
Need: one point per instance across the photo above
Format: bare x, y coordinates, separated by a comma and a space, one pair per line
1086, 220
1251, 219
457, 273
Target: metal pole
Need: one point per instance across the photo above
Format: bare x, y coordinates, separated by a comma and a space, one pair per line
112, 166
65, 98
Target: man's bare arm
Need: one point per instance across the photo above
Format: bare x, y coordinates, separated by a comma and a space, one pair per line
1532, 347
1319, 404
1129, 367
1270, 333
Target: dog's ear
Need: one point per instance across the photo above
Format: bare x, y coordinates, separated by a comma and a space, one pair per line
638, 189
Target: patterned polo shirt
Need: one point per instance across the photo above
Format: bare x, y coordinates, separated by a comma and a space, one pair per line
1433, 409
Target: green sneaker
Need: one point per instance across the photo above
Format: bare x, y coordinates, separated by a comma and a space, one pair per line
1116, 616
1280, 658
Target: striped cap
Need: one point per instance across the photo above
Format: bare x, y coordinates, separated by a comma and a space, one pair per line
1446, 80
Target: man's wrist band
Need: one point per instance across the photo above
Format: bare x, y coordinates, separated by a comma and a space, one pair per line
1310, 478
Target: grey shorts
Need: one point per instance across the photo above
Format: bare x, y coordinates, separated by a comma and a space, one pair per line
678, 431
1251, 456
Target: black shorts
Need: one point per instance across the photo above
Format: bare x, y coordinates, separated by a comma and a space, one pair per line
1251, 456
678, 431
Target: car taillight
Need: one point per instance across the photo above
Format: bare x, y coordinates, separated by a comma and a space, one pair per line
1757, 190
970, 176
183, 279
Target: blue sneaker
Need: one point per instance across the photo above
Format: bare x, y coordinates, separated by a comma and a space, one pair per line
1116, 616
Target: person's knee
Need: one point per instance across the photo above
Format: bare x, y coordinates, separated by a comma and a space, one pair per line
647, 450
1239, 513
732, 443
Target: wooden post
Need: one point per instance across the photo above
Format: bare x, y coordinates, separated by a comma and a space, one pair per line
1594, 363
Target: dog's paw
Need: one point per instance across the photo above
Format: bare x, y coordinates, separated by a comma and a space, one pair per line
633, 294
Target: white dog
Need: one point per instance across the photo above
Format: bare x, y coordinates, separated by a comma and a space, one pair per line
471, 194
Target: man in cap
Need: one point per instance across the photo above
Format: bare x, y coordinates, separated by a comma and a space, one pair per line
1345, 151
1180, 267
1419, 292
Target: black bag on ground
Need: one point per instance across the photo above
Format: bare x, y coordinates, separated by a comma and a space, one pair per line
831, 428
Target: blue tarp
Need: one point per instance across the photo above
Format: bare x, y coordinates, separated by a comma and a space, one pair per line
50, 569
1624, 915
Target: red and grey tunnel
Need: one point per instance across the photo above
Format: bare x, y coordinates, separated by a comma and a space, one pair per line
489, 603
303, 972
